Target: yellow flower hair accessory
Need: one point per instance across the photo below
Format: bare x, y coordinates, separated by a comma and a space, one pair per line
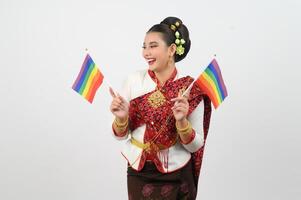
179, 42
173, 27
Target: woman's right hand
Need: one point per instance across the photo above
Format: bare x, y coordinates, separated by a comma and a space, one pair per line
119, 106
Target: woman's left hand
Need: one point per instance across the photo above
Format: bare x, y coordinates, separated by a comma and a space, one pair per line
181, 106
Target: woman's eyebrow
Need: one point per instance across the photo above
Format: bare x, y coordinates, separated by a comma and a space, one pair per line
151, 43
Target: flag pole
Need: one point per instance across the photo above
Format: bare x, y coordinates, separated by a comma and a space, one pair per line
104, 80
190, 86
188, 89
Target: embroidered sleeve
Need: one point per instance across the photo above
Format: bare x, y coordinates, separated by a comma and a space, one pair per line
196, 120
121, 136
192, 136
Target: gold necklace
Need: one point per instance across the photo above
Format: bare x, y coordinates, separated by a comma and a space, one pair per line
156, 99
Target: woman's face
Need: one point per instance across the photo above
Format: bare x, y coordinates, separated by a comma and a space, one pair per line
156, 52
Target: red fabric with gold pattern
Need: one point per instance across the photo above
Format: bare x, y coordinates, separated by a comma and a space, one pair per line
197, 157
161, 119
192, 136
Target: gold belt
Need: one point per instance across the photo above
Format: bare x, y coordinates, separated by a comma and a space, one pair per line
150, 145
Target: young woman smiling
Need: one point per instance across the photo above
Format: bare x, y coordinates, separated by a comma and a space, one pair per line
165, 128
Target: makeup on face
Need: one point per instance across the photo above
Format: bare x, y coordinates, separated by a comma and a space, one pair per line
155, 51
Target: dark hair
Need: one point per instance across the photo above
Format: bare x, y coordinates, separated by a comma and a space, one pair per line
169, 34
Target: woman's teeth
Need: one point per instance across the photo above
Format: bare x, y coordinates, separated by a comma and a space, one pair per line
151, 61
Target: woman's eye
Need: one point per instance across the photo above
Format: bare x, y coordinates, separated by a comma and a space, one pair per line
151, 46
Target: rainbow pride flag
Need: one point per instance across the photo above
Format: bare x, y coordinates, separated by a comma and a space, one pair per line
211, 81
88, 80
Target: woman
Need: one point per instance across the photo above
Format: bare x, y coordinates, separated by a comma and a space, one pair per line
166, 127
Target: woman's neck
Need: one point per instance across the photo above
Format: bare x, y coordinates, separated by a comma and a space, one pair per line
165, 74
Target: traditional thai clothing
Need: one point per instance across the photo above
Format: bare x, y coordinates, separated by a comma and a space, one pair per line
159, 161
149, 183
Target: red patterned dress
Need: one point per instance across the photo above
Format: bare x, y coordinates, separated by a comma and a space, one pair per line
160, 165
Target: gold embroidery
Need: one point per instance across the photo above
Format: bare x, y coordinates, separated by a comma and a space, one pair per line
156, 99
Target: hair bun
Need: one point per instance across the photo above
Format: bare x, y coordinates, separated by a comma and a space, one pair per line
174, 31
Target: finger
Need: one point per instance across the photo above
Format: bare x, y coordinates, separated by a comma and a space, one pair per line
121, 107
116, 105
117, 108
186, 94
176, 99
180, 109
186, 108
121, 98
117, 100
180, 94
183, 100
125, 105
114, 108
187, 91
180, 100
181, 105
112, 92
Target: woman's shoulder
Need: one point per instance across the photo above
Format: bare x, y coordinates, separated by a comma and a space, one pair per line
137, 84
137, 75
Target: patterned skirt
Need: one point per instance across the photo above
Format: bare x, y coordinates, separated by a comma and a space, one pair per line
150, 184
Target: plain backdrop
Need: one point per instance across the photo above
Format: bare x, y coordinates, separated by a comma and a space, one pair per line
55, 145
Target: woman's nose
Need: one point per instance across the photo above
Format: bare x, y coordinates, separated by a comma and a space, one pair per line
146, 52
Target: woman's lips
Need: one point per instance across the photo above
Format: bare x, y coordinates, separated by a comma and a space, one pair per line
151, 61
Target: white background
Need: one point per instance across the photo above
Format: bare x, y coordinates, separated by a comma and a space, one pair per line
55, 145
